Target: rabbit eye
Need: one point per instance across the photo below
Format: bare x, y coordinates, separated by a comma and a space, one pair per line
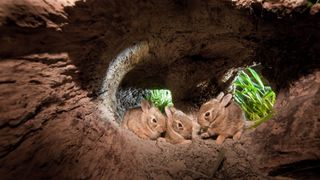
180, 125
154, 120
207, 114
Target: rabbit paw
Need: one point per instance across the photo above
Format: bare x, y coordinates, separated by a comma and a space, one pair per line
205, 135
220, 139
237, 136
186, 142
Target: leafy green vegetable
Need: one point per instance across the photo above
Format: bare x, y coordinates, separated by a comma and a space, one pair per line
160, 98
255, 98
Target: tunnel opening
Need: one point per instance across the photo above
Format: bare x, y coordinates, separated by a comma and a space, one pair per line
193, 80
130, 91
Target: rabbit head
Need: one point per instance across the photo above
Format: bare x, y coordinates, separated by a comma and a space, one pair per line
212, 109
180, 122
152, 117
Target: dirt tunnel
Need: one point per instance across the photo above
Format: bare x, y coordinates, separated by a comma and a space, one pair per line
62, 64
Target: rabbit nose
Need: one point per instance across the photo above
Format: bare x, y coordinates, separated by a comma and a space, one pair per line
162, 129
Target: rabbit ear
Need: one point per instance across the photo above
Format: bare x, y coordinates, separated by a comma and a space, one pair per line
226, 99
220, 96
173, 109
168, 112
169, 115
145, 105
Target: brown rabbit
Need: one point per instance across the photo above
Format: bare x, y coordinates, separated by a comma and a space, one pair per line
179, 126
222, 117
146, 122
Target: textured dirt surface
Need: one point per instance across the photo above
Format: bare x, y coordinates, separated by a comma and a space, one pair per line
55, 55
